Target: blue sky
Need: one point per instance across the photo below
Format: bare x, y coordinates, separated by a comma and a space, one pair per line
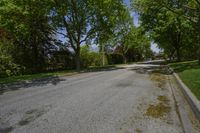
127, 2
136, 22
133, 14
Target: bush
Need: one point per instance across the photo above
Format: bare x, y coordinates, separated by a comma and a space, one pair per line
115, 59
7, 66
89, 58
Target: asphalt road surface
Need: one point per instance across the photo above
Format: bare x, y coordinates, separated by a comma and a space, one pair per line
125, 100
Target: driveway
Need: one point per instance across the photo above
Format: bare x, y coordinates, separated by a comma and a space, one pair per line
132, 99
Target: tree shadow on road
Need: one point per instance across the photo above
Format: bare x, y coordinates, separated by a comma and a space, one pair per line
100, 69
54, 80
163, 69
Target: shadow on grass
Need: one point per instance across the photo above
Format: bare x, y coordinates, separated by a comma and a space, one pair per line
182, 66
26, 84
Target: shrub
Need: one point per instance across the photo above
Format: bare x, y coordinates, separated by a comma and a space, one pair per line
90, 58
115, 59
7, 66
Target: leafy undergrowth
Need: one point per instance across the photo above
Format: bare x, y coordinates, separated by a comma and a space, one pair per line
189, 72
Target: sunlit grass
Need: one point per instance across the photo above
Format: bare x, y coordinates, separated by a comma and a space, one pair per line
189, 72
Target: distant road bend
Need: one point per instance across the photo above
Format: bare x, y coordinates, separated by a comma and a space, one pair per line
132, 99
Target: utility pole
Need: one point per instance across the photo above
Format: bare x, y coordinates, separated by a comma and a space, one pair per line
103, 54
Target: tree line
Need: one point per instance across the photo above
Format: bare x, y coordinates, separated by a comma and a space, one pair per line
30, 32
173, 24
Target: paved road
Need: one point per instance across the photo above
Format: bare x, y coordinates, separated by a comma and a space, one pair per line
127, 100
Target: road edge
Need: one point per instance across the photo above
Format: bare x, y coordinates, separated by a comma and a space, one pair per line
26, 82
192, 100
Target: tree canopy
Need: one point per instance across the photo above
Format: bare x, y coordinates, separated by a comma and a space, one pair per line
173, 25
30, 33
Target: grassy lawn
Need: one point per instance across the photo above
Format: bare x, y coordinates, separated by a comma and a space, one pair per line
189, 72
51, 74
34, 76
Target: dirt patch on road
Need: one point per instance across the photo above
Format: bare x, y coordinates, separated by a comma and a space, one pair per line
138, 130
160, 109
158, 79
163, 99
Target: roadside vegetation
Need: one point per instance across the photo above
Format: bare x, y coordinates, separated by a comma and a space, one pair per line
30, 77
51, 35
174, 27
12, 79
189, 72
38, 37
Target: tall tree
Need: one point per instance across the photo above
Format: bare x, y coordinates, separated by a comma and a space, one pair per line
166, 28
125, 32
188, 9
82, 20
29, 25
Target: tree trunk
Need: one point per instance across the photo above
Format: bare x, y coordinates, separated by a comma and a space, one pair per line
125, 59
198, 54
178, 55
78, 63
198, 27
77, 59
124, 55
177, 50
199, 60
35, 58
103, 55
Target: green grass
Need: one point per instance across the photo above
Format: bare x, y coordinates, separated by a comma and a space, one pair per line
51, 74
34, 76
189, 72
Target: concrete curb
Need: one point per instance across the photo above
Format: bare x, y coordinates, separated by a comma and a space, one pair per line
192, 100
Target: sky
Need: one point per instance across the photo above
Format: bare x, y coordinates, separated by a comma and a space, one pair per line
133, 14
136, 23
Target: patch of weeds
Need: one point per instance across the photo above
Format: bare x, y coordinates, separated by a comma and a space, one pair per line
159, 79
138, 130
194, 120
163, 99
159, 110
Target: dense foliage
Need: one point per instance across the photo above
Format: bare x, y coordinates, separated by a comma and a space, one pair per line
48, 35
173, 25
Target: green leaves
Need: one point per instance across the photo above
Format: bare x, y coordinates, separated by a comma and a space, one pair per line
166, 24
27, 21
